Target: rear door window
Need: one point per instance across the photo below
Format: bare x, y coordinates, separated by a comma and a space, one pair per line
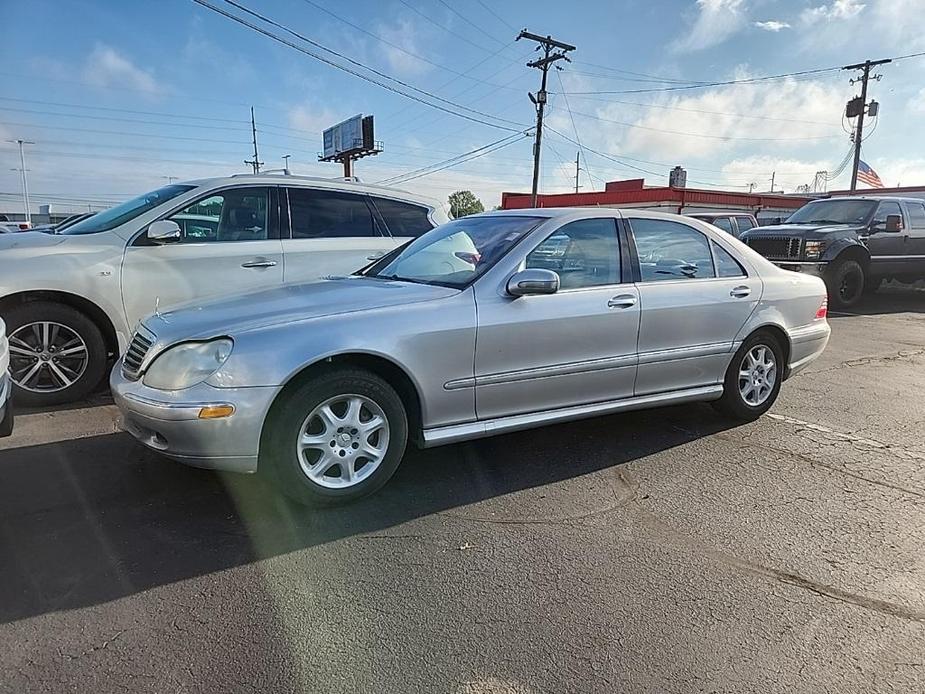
744, 224
726, 265
671, 251
724, 223
402, 218
916, 214
320, 214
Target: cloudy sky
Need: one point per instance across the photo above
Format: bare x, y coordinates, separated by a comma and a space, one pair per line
120, 96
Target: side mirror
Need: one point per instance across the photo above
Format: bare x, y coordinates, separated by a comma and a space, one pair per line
533, 281
894, 222
164, 231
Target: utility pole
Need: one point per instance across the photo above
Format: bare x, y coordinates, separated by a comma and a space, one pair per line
286, 162
773, 174
170, 179
256, 163
858, 109
25, 182
577, 168
751, 187
550, 56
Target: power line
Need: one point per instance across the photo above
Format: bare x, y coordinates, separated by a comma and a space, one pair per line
470, 22
113, 132
497, 16
348, 70
577, 136
124, 110
730, 114
92, 116
441, 26
447, 163
396, 46
701, 85
703, 135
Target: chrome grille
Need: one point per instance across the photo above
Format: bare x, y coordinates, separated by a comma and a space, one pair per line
135, 354
777, 247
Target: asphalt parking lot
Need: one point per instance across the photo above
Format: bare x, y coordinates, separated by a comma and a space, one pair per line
660, 551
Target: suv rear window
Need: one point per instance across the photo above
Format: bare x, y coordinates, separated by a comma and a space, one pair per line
403, 218
319, 214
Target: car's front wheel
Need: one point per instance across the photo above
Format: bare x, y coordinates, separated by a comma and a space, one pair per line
753, 378
335, 437
57, 354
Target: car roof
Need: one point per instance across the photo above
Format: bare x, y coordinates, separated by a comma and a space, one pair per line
875, 198
557, 212
341, 184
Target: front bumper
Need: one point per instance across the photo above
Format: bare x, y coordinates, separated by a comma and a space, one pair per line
816, 268
169, 421
6, 408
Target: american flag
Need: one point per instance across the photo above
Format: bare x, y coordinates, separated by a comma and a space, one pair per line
868, 175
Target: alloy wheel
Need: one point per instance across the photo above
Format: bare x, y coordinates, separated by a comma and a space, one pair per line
757, 375
46, 357
342, 441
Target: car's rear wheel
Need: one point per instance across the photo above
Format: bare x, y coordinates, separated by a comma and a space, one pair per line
846, 283
753, 378
335, 437
57, 354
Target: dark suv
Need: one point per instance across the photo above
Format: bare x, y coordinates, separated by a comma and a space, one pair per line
853, 243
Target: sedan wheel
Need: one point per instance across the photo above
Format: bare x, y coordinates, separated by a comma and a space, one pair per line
348, 444
753, 378
343, 441
757, 375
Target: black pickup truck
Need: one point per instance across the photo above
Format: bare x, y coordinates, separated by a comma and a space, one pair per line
853, 243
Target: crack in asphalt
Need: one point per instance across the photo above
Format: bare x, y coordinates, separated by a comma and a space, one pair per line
93, 649
867, 361
827, 466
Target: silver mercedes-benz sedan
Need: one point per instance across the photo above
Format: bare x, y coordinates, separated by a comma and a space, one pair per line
488, 324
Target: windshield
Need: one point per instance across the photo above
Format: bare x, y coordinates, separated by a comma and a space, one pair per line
834, 212
456, 253
120, 214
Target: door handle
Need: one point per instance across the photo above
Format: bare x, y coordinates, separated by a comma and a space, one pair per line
740, 292
622, 301
262, 262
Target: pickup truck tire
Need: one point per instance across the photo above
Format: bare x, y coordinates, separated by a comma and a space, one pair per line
872, 285
845, 282
335, 437
68, 353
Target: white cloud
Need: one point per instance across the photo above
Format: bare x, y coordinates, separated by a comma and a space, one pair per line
716, 21
706, 114
789, 172
312, 121
106, 67
839, 9
917, 103
897, 172
772, 25
406, 35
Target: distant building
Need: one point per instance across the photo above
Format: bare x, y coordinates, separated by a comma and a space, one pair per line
766, 207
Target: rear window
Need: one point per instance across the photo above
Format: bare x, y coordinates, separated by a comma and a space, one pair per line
403, 218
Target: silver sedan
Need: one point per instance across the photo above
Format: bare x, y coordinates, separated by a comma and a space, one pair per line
488, 324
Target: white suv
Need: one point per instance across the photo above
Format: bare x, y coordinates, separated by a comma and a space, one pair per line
71, 300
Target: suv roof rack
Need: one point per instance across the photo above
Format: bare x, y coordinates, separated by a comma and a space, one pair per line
289, 174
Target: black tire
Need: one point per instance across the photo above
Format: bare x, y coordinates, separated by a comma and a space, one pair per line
733, 404
44, 392
845, 282
281, 459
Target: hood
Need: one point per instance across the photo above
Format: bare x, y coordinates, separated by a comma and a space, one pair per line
286, 304
30, 239
804, 231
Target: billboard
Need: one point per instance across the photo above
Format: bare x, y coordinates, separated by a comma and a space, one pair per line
346, 136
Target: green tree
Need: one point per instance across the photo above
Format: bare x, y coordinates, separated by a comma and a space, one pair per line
464, 202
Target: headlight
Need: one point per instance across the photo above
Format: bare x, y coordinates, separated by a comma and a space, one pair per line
187, 364
814, 249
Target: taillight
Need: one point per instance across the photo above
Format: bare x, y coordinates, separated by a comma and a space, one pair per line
823, 310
